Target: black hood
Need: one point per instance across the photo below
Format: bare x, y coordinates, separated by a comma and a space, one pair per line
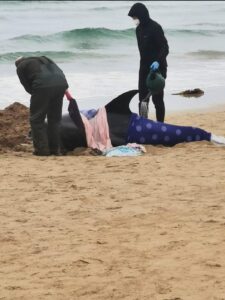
139, 11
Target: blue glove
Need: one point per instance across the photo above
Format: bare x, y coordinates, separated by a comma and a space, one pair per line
154, 66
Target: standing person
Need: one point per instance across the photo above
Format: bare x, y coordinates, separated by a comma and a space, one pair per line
153, 48
46, 83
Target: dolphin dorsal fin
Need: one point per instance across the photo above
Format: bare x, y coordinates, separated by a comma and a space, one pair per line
121, 103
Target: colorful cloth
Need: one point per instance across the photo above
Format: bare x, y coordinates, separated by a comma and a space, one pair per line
97, 130
145, 131
125, 150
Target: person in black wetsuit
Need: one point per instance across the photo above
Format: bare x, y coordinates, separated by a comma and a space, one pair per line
46, 83
153, 48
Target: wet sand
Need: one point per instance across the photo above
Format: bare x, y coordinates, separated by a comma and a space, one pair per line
92, 228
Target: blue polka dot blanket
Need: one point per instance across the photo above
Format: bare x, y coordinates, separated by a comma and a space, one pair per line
145, 131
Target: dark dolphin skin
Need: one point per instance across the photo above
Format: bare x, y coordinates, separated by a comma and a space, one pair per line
118, 114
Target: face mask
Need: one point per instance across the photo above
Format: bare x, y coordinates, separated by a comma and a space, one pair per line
136, 22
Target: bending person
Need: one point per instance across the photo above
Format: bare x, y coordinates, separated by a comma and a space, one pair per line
46, 83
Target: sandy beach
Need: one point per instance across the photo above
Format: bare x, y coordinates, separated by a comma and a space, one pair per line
90, 227
85, 227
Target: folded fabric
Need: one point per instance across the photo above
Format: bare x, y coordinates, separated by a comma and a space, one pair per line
89, 113
97, 130
149, 132
125, 150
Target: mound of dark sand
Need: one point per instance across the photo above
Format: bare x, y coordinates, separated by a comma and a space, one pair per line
14, 128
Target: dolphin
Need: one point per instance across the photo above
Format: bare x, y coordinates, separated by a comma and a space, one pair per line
72, 132
127, 127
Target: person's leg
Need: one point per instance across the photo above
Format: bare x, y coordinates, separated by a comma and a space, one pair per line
38, 111
54, 116
143, 90
158, 101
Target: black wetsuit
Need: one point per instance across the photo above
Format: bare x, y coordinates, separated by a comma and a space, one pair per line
46, 83
152, 46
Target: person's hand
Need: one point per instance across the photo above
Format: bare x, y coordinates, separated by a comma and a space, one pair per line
68, 95
154, 66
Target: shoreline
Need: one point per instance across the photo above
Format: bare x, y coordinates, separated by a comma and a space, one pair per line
173, 103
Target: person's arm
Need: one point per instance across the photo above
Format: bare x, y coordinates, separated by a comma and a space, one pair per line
20, 72
161, 43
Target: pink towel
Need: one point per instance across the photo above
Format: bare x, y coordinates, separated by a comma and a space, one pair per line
97, 130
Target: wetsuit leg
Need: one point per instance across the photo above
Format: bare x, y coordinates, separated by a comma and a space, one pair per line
38, 111
54, 115
143, 91
158, 101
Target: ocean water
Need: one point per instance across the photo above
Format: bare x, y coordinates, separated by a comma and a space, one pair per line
94, 43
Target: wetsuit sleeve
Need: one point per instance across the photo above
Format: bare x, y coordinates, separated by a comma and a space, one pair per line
161, 43
20, 72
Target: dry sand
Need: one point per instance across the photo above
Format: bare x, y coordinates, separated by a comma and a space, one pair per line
87, 227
